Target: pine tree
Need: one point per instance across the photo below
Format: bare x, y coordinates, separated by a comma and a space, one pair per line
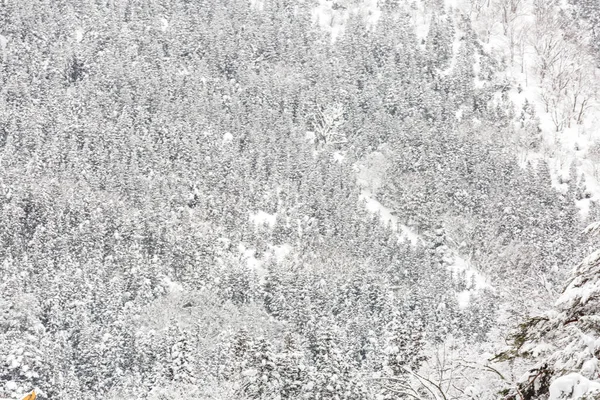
330, 376
182, 362
261, 379
439, 40
561, 343
462, 73
292, 367
572, 184
530, 125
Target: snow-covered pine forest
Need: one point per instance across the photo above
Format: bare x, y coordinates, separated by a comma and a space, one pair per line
300, 199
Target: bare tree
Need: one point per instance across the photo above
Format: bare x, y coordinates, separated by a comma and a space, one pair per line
447, 375
568, 75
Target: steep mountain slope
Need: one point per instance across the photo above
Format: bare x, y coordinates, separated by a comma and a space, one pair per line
190, 195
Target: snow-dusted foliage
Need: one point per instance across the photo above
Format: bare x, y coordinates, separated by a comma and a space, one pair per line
277, 199
565, 341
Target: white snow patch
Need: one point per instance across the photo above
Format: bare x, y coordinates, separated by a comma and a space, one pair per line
459, 266
227, 137
457, 43
78, 35
164, 24
3, 43
572, 386
338, 157
371, 171
250, 372
464, 298
472, 391
281, 252
459, 115
183, 71
172, 287
558, 148
589, 368
262, 218
253, 263
592, 229
374, 206
257, 4
332, 16
370, 175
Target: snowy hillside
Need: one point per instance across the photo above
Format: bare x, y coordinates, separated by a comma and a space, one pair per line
317, 199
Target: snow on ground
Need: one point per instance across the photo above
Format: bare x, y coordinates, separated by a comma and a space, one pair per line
164, 24
78, 36
280, 252
227, 137
370, 175
258, 4
3, 43
370, 172
458, 265
560, 148
374, 206
253, 263
262, 218
332, 16
172, 287
338, 157
421, 20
